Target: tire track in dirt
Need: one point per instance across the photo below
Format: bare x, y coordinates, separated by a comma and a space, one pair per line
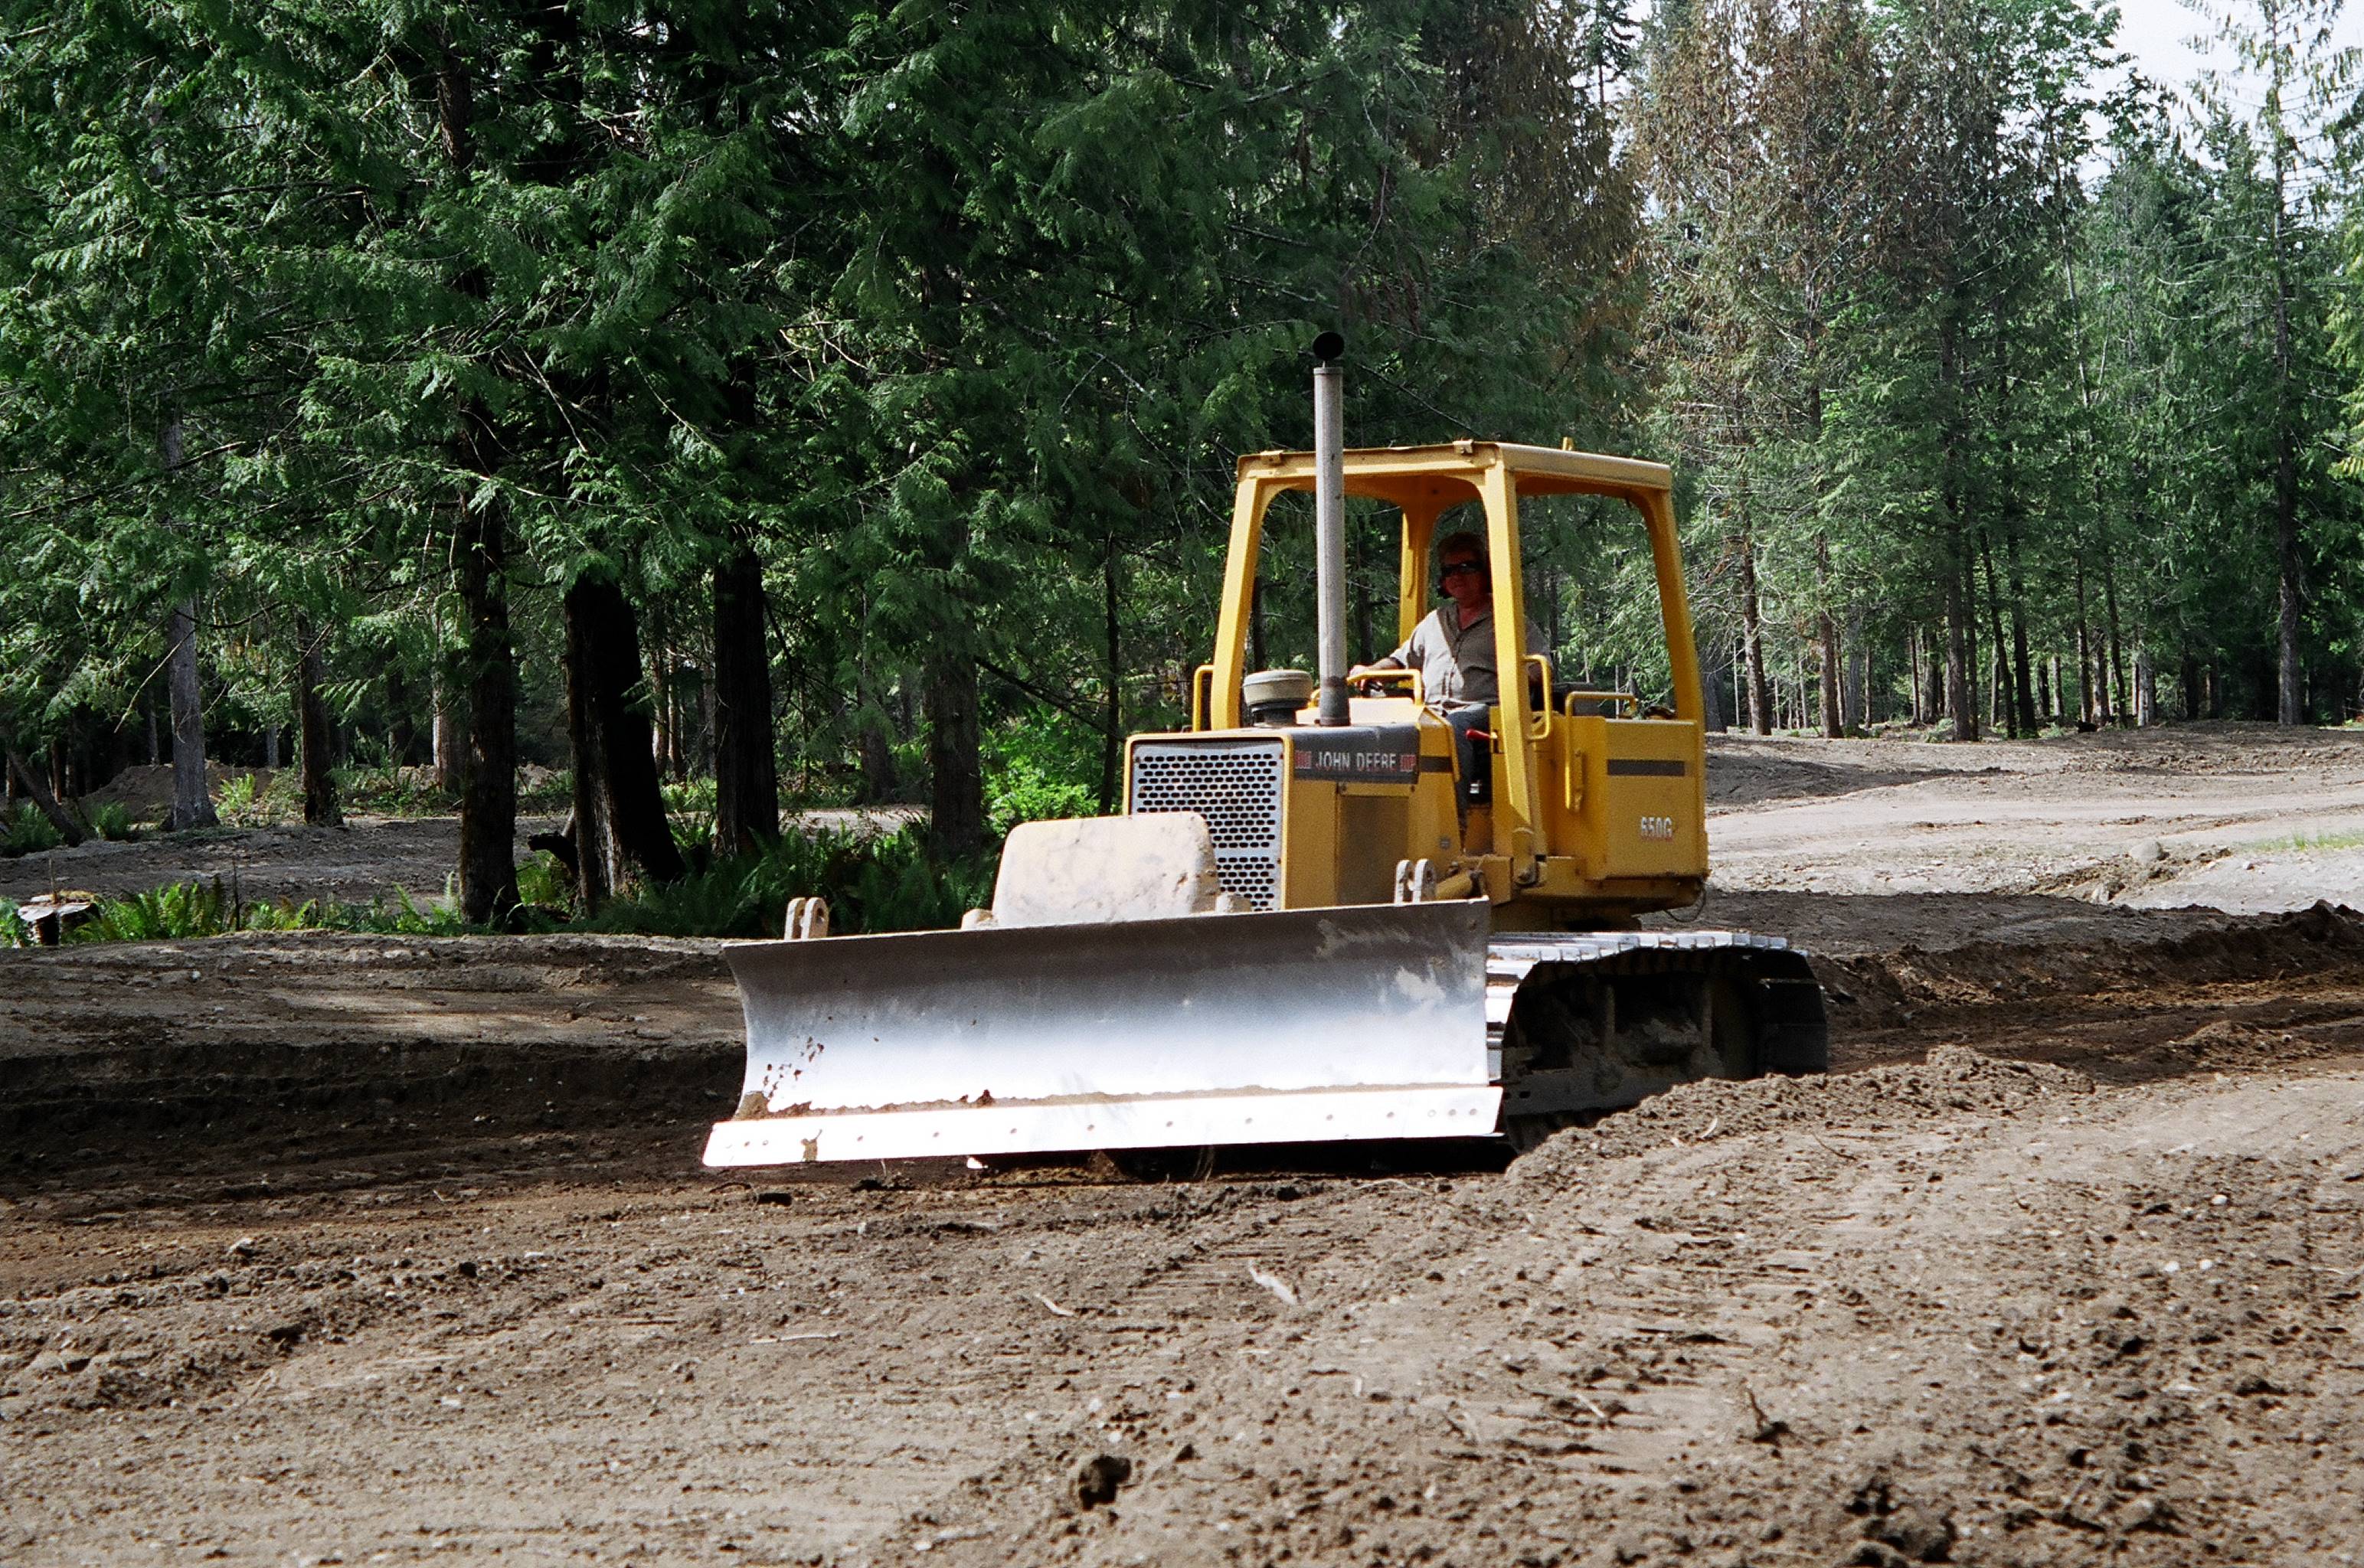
1660, 1350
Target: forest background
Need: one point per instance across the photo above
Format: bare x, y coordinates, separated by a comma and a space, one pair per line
753, 406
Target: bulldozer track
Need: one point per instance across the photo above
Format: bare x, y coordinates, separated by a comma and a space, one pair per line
1786, 1024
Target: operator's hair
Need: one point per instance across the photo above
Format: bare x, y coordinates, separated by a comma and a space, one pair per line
1464, 540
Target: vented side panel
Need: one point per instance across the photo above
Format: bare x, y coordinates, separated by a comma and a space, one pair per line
1235, 785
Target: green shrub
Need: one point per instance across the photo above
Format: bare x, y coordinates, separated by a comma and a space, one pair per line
689, 810
16, 931
873, 882
553, 791
381, 789
112, 819
545, 882
401, 917
244, 802
28, 832
1043, 766
182, 911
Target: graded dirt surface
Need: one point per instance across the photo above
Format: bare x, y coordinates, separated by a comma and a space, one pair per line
2238, 817
404, 1253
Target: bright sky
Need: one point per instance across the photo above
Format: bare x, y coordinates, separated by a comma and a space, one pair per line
2155, 32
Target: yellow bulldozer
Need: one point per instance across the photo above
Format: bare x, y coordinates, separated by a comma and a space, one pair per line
1323, 915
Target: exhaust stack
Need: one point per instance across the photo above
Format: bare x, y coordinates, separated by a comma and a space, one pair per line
1330, 524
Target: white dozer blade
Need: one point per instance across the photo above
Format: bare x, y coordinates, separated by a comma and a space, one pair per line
1301, 1026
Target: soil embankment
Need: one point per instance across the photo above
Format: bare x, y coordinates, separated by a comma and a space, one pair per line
361, 1249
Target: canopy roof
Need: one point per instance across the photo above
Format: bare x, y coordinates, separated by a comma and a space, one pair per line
1448, 474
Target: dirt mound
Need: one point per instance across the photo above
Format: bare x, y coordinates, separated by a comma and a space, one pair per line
145, 793
1953, 1080
338, 1044
1878, 989
2217, 747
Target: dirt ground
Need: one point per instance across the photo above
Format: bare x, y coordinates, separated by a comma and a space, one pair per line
362, 1249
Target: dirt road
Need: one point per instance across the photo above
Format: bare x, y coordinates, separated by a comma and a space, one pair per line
402, 1254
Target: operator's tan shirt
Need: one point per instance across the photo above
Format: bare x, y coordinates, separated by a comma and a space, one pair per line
1455, 661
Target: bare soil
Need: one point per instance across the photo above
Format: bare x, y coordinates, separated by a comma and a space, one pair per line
362, 1249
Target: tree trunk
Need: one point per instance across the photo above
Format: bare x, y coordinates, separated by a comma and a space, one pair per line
2191, 683
620, 828
2120, 700
2291, 707
955, 769
1827, 630
1961, 592
1752, 638
1959, 705
660, 704
2020, 687
2003, 685
1931, 665
488, 787
1113, 719
2091, 707
677, 726
1855, 695
193, 804
37, 790
313, 730
1912, 673
746, 764
447, 739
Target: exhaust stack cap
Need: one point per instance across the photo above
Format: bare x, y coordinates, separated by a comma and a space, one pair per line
1329, 347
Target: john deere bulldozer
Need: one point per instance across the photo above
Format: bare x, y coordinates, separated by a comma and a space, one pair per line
1322, 915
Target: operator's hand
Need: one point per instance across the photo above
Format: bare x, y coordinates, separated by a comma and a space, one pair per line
1364, 679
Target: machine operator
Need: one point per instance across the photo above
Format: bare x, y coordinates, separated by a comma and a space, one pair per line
1453, 648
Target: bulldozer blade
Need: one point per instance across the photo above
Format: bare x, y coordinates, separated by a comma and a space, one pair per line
1299, 1025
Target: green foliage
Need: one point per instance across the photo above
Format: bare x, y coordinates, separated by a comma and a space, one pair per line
689, 810
16, 931
244, 801
29, 831
547, 790
163, 914
2310, 843
195, 909
873, 884
959, 318
543, 883
400, 916
1947, 378
387, 789
111, 819
1043, 767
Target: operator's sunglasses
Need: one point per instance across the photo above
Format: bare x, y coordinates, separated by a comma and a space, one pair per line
1455, 568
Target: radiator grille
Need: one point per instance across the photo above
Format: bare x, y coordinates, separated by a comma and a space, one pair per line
1235, 785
